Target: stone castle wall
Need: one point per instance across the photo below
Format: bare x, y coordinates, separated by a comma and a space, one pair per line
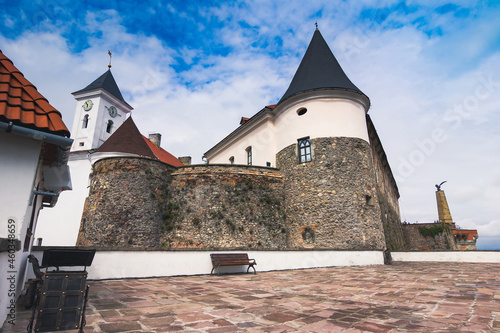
331, 202
225, 206
387, 193
429, 236
125, 203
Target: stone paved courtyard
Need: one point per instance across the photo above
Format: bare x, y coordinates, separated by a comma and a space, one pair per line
404, 297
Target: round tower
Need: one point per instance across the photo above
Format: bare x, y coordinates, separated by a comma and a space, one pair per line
324, 153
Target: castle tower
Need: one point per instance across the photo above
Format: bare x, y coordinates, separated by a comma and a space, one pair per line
100, 110
324, 153
335, 179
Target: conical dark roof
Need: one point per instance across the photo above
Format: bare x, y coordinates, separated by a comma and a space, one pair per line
319, 70
126, 139
107, 82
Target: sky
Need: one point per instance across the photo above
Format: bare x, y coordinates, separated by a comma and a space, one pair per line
192, 69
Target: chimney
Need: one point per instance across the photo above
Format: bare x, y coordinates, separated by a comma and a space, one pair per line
155, 138
185, 159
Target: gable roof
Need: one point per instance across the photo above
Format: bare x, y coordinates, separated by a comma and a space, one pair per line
319, 70
23, 105
128, 139
107, 82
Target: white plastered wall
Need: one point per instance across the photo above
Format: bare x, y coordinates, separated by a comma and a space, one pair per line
325, 117
59, 225
270, 132
260, 138
19, 165
141, 264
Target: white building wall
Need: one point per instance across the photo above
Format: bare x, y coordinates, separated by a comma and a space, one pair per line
58, 226
325, 117
275, 130
20, 172
260, 137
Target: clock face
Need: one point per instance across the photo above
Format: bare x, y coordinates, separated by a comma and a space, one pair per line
88, 105
112, 111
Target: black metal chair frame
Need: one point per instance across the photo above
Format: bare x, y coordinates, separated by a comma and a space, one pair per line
40, 286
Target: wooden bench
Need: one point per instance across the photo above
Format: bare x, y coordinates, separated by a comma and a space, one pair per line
231, 259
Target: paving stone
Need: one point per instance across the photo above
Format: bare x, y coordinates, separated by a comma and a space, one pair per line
119, 327
404, 297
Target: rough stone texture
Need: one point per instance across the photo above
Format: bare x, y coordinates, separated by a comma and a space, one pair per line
343, 199
332, 202
387, 193
125, 202
440, 241
225, 206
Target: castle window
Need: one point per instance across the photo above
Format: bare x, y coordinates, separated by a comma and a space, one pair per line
301, 111
304, 150
85, 121
231, 160
249, 155
109, 127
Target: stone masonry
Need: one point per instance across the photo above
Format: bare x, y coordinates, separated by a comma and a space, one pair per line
225, 206
125, 203
332, 201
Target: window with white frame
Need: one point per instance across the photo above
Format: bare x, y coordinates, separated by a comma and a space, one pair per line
304, 150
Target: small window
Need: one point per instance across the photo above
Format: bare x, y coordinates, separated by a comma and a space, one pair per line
231, 160
85, 121
304, 150
82, 144
249, 155
109, 127
301, 111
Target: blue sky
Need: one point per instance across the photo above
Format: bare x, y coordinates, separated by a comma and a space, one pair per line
191, 69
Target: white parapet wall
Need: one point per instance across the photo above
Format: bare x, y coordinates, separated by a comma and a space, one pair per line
448, 256
144, 264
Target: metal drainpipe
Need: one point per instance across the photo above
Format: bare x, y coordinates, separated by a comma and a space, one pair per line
63, 143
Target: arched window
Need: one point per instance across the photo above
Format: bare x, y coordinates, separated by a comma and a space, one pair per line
249, 155
109, 127
85, 121
231, 160
304, 150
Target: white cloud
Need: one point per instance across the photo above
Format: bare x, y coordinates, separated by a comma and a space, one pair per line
415, 83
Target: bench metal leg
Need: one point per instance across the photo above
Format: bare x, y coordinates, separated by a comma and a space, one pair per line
254, 271
216, 268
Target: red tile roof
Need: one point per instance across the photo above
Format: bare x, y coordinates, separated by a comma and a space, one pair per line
128, 139
162, 154
23, 105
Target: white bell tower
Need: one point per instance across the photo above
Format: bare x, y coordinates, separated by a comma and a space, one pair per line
100, 110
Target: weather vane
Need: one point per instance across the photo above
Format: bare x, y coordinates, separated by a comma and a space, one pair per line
109, 52
439, 186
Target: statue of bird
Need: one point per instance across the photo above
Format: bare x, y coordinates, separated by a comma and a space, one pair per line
439, 186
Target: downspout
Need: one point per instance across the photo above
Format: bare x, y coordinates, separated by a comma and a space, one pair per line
63, 143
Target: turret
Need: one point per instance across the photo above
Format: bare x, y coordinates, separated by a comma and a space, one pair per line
100, 110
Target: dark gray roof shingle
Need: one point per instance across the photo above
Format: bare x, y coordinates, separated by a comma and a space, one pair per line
107, 82
319, 70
